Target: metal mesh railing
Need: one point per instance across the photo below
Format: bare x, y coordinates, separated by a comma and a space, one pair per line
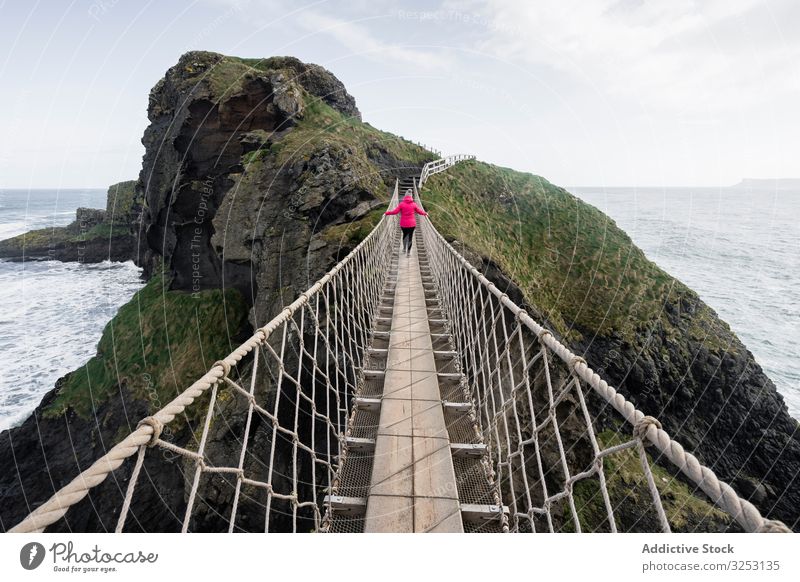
276, 412
532, 398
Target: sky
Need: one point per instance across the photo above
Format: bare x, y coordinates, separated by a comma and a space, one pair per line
583, 92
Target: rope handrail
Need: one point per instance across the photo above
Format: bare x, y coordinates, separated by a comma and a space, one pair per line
496, 340
344, 300
303, 371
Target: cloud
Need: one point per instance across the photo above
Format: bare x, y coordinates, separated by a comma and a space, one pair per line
360, 26
681, 55
358, 38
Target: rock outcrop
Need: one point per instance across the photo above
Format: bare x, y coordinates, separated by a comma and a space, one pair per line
96, 235
714, 398
258, 175
246, 162
123, 207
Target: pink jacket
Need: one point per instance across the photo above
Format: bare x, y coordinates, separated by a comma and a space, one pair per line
407, 208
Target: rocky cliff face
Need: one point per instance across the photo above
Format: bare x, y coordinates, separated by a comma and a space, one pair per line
123, 206
711, 395
247, 162
257, 176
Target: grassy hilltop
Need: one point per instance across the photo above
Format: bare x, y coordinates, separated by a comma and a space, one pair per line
645, 332
573, 264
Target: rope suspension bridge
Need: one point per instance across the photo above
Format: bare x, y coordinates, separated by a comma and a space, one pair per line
399, 394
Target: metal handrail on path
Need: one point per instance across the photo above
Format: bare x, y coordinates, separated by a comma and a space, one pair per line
441, 165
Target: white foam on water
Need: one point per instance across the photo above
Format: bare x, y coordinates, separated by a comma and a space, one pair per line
52, 314
52, 317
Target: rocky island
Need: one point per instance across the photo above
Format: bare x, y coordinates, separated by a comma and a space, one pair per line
258, 176
94, 236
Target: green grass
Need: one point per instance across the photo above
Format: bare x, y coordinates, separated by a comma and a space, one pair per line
252, 158
41, 238
60, 235
320, 123
320, 117
323, 126
120, 202
570, 260
223, 78
627, 485
104, 230
324, 130
227, 76
156, 345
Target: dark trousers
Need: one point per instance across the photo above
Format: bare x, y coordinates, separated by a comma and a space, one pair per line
408, 237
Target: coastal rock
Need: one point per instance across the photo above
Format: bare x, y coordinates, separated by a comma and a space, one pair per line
96, 235
319, 82
286, 96
257, 177
69, 444
719, 405
82, 241
89, 217
251, 168
122, 205
231, 199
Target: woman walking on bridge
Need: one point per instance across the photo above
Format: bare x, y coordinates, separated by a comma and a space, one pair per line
408, 222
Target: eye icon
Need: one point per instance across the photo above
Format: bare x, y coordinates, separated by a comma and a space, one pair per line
31, 555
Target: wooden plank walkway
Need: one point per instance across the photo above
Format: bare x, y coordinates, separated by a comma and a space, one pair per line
413, 485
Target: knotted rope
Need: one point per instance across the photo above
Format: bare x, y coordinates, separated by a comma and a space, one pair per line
496, 340
322, 334
318, 341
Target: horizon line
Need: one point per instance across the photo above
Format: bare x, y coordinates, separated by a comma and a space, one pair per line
32, 188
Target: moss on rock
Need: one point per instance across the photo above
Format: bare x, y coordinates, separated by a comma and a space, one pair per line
642, 330
321, 123
121, 202
352, 233
686, 510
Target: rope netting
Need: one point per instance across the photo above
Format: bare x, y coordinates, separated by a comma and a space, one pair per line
274, 416
531, 399
272, 438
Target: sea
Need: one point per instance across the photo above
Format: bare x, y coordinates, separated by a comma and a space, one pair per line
738, 249
52, 314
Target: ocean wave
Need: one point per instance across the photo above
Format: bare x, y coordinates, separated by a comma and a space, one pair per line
45, 300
